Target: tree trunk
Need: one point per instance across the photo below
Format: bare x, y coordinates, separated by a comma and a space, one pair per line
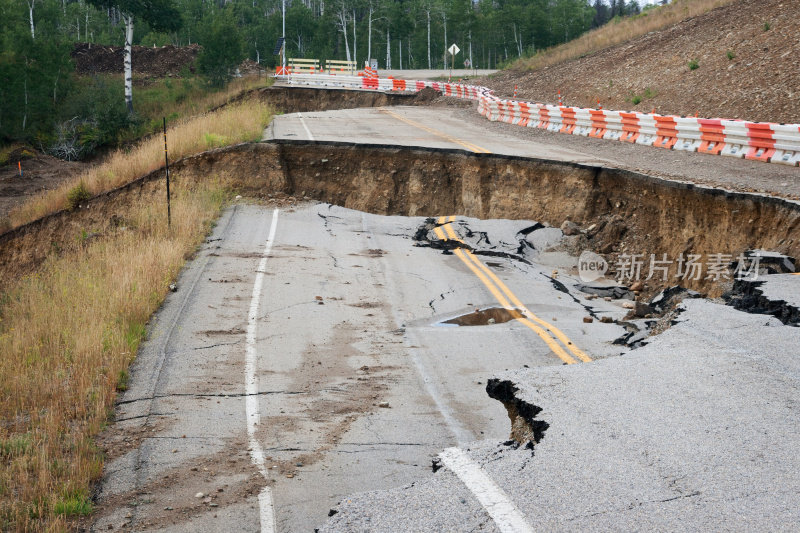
429, 37
369, 34
30, 16
127, 61
471, 64
355, 42
444, 56
388, 50
25, 88
342, 22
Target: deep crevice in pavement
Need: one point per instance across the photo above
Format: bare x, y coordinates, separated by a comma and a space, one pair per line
525, 428
748, 296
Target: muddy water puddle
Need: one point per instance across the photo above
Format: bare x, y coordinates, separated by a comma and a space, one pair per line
482, 317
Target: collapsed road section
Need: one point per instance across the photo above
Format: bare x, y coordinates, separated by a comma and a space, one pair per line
388, 299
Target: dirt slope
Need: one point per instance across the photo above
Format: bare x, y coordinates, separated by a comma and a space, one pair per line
159, 62
760, 83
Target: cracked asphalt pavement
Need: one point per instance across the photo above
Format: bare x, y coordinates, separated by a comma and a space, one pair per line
359, 381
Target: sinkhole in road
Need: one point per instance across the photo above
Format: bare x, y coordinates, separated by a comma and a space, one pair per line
485, 317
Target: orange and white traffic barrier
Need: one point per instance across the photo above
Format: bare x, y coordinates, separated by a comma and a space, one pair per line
568, 120
648, 129
613, 125
583, 122
666, 132
690, 138
762, 141
630, 127
787, 144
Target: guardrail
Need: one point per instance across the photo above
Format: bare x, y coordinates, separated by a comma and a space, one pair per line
756, 141
334, 67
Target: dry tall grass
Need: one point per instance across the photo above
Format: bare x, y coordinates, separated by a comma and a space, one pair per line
620, 31
229, 125
67, 335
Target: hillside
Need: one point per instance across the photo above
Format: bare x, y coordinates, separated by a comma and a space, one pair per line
747, 67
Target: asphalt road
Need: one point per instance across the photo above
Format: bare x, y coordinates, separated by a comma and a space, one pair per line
696, 431
436, 127
342, 377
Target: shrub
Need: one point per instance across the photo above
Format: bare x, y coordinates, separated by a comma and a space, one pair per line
213, 140
730, 55
636, 99
694, 65
77, 195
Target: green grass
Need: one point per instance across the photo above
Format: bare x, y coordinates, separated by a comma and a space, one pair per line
75, 503
694, 65
14, 446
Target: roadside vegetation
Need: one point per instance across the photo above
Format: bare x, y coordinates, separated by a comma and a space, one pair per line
230, 124
69, 332
618, 31
99, 119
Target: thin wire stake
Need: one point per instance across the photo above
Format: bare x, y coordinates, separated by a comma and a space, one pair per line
166, 164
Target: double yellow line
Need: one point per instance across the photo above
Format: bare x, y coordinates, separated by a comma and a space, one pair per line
555, 339
468, 145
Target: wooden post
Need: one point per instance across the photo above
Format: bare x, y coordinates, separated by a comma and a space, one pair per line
166, 164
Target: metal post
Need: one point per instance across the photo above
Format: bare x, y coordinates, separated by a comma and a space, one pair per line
283, 12
166, 164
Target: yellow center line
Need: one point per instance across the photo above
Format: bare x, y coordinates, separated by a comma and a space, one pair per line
468, 145
471, 261
554, 330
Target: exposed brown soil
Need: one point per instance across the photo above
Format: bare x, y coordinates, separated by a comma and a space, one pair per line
305, 99
40, 173
630, 211
159, 62
760, 83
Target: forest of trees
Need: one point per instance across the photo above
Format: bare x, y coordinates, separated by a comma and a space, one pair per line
37, 84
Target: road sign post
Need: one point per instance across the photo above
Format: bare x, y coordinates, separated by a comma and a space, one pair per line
453, 51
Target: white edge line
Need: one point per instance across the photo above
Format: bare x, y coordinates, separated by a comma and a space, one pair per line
507, 517
266, 511
305, 127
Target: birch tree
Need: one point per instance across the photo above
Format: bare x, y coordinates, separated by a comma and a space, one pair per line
342, 16
30, 17
160, 15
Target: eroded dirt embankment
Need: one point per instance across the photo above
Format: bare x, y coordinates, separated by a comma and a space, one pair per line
305, 99
623, 211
